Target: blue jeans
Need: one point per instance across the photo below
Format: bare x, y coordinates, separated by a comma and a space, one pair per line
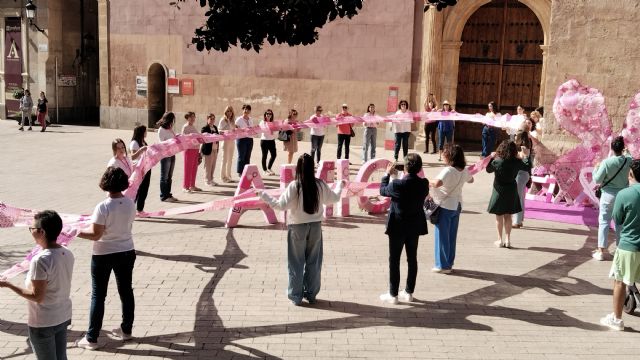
446, 235
101, 266
166, 173
521, 182
369, 142
316, 146
304, 252
604, 218
444, 135
488, 140
245, 146
49, 343
401, 138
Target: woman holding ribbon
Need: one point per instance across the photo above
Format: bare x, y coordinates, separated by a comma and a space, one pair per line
402, 129
267, 143
191, 156
244, 144
165, 132
445, 128
291, 146
138, 146
120, 157
370, 133
430, 128
488, 132
227, 124
209, 151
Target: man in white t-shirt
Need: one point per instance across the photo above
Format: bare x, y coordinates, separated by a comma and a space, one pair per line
48, 286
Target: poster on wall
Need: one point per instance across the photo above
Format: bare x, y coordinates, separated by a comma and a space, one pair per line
67, 80
392, 99
187, 87
12, 66
141, 85
173, 85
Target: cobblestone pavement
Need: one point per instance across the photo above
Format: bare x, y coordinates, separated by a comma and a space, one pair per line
207, 292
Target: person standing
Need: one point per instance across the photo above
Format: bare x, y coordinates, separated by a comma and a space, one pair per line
317, 134
191, 156
445, 128
402, 129
43, 108
523, 177
47, 289
611, 176
267, 143
113, 250
504, 200
120, 157
370, 134
210, 150
167, 164
430, 105
344, 132
303, 198
227, 124
26, 106
244, 144
138, 146
291, 146
488, 132
448, 195
625, 269
405, 223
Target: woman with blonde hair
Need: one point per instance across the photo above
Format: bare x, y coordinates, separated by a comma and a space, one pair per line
227, 123
291, 146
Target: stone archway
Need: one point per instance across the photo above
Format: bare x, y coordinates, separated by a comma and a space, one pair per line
454, 22
156, 93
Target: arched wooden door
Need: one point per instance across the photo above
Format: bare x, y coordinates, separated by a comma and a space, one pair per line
500, 60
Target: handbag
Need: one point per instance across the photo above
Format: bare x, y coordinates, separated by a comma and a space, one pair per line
434, 216
283, 136
353, 133
598, 191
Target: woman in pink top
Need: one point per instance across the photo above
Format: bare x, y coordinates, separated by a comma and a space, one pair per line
344, 133
191, 156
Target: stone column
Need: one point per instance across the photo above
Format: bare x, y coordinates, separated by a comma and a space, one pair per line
450, 67
103, 45
25, 52
543, 77
431, 55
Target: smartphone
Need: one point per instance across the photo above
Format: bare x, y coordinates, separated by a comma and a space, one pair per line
399, 166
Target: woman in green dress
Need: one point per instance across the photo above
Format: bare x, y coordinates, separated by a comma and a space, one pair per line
504, 199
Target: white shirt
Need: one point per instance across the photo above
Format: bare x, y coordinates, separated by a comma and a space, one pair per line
403, 127
126, 165
117, 216
133, 147
56, 267
266, 135
243, 123
317, 131
449, 195
372, 124
289, 200
165, 134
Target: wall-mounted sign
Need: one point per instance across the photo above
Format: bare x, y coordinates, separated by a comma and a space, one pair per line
141, 85
392, 99
67, 80
172, 73
173, 86
187, 86
43, 47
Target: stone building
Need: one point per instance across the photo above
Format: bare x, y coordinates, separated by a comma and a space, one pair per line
508, 51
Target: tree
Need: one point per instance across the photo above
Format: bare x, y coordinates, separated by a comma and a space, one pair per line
248, 23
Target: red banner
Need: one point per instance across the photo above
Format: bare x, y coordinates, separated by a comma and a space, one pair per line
12, 65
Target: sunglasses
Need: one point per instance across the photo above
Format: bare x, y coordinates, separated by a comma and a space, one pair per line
33, 228
270, 114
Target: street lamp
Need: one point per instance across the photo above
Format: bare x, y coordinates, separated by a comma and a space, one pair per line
31, 14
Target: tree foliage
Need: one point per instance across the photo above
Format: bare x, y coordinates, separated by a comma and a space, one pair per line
249, 23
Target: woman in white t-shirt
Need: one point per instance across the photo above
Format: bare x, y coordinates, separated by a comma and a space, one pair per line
120, 157
113, 250
138, 146
447, 192
402, 129
48, 286
191, 156
165, 132
267, 143
244, 144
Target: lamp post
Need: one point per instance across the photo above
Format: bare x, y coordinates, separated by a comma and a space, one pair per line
30, 9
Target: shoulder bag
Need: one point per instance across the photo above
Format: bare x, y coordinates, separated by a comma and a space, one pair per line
283, 136
599, 188
432, 210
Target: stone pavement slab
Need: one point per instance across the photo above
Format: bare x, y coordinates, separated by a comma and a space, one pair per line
207, 292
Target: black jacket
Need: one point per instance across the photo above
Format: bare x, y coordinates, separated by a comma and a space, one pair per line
206, 148
407, 200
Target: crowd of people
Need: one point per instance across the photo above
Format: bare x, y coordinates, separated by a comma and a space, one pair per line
49, 278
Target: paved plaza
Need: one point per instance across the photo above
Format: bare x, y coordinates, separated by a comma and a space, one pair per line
207, 292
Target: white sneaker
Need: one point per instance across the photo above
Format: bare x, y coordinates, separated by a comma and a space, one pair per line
387, 298
405, 296
120, 335
441, 271
598, 255
85, 344
612, 323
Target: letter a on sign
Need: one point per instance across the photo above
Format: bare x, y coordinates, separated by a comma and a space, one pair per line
13, 51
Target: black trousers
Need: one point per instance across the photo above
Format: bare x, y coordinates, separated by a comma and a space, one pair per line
268, 146
430, 131
396, 243
143, 190
346, 140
